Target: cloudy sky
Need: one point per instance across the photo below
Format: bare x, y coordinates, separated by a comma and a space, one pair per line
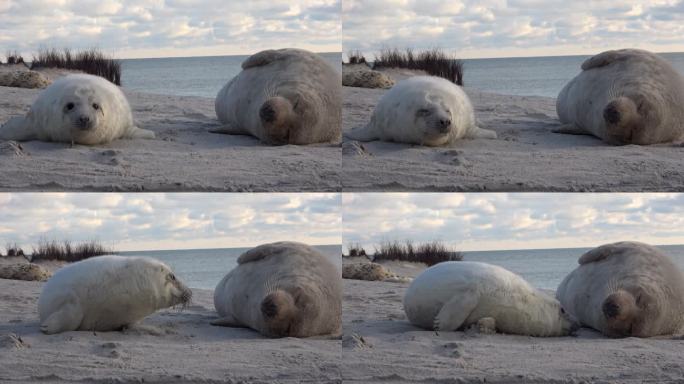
499, 221
508, 28
165, 28
170, 221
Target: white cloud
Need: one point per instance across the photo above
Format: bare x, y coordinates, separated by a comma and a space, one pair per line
164, 221
499, 28
513, 221
157, 28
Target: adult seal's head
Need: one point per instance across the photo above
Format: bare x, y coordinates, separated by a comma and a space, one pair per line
282, 289
626, 289
107, 293
627, 96
82, 109
423, 110
285, 96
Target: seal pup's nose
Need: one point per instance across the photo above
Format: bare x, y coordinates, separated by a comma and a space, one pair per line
83, 120
444, 125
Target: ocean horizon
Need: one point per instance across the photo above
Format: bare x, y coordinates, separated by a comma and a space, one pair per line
204, 268
202, 76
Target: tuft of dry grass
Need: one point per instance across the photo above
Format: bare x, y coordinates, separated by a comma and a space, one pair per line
90, 61
13, 249
65, 251
13, 57
356, 57
356, 250
434, 61
430, 253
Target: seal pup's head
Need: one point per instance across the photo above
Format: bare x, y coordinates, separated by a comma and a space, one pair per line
626, 117
170, 291
553, 319
285, 312
435, 121
83, 107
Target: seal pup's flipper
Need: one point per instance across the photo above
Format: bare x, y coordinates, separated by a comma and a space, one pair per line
229, 129
455, 311
18, 129
606, 58
227, 321
139, 133
365, 133
67, 318
570, 129
480, 133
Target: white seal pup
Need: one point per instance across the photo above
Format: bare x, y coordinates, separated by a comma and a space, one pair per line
107, 293
627, 96
82, 109
425, 110
626, 289
283, 289
454, 295
285, 96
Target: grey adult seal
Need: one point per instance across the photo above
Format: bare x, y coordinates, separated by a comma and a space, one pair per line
628, 96
625, 289
282, 289
285, 96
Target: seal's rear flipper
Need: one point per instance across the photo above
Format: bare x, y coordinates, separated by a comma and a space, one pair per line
605, 58
364, 133
18, 129
227, 321
262, 58
570, 129
139, 133
455, 311
479, 133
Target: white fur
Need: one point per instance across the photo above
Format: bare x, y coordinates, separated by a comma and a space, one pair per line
397, 116
106, 293
454, 295
48, 120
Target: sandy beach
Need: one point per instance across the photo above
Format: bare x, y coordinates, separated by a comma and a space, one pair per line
527, 156
170, 346
381, 346
183, 157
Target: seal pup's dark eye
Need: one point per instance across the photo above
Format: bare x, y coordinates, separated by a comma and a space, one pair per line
96, 106
70, 106
172, 277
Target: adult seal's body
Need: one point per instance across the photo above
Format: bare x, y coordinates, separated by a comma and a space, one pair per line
454, 295
423, 110
285, 96
625, 289
82, 109
107, 293
627, 96
282, 289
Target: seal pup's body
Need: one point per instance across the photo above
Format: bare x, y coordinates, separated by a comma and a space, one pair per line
107, 293
424, 110
454, 295
81, 109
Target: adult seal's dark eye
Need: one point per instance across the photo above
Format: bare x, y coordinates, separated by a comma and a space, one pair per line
70, 106
96, 106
